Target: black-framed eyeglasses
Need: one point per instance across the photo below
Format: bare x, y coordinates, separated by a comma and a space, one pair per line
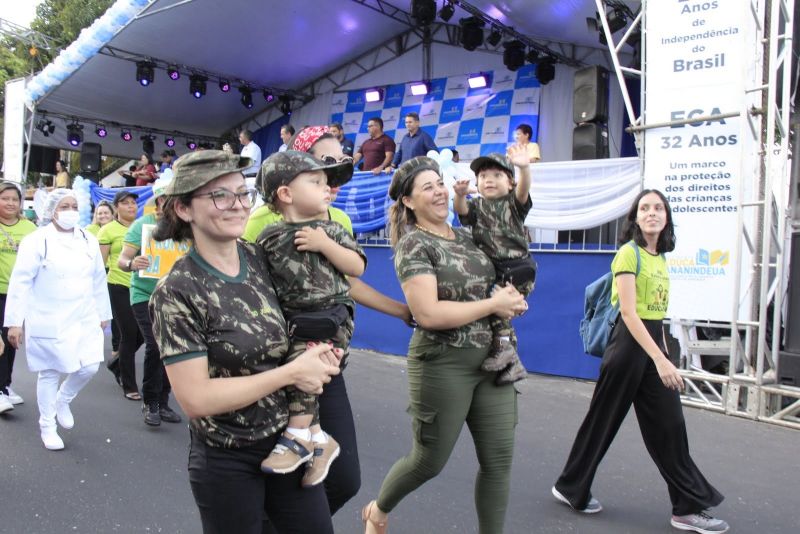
330, 160
226, 200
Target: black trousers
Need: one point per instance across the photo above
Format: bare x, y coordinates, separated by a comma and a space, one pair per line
130, 336
9, 352
628, 376
155, 384
233, 494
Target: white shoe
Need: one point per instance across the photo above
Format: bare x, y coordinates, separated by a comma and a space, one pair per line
14, 397
64, 415
5, 403
52, 441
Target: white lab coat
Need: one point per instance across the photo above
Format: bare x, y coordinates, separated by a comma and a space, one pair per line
58, 290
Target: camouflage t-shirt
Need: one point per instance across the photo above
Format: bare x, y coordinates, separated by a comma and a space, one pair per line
306, 281
498, 226
463, 273
236, 322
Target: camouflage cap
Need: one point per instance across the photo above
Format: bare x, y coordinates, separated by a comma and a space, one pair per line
283, 167
495, 159
192, 171
404, 176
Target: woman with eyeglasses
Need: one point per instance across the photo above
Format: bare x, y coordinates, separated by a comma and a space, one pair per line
223, 338
13, 228
58, 293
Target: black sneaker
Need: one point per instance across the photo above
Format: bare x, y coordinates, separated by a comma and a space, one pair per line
151, 414
168, 415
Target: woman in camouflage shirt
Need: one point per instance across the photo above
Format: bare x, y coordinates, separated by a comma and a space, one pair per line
447, 281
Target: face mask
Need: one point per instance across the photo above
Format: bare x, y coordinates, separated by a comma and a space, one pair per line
67, 219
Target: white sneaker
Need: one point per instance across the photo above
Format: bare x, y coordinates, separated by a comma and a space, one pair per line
64, 415
52, 441
5, 403
702, 522
13, 397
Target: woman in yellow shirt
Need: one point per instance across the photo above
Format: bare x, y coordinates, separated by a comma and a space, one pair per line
62, 176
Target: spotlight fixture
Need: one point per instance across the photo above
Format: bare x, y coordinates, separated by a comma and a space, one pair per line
173, 73
268, 95
126, 135
144, 72
191, 144
476, 81
532, 56
447, 11
471, 33
495, 37
197, 85
101, 130
74, 134
546, 70
513, 55
148, 147
247, 97
423, 11
374, 95
420, 88
46, 126
224, 86
169, 141
286, 104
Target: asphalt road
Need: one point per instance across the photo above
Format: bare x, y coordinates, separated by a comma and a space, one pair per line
117, 475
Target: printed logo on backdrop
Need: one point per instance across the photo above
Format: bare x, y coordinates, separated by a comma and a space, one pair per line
393, 97
452, 110
456, 87
525, 102
429, 113
355, 101
351, 122
391, 117
504, 81
475, 106
469, 133
526, 77
446, 134
500, 104
495, 130
339, 102
705, 264
437, 90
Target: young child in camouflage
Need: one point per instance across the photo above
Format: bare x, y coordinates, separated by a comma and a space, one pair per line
308, 257
497, 219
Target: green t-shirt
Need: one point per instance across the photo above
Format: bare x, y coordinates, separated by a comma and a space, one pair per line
652, 283
10, 236
93, 229
141, 288
235, 322
498, 226
264, 216
113, 234
463, 273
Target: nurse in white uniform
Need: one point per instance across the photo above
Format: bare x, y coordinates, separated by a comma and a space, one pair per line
58, 292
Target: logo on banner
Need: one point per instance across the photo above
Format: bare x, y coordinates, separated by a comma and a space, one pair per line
500, 105
437, 89
430, 112
497, 132
452, 110
526, 77
444, 136
469, 133
352, 122
472, 108
457, 87
338, 102
506, 79
394, 96
704, 264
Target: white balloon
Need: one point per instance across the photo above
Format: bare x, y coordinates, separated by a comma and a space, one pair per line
445, 156
433, 155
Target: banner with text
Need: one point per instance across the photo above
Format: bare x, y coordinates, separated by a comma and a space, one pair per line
695, 68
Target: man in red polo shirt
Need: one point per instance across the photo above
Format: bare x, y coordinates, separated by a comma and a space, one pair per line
378, 150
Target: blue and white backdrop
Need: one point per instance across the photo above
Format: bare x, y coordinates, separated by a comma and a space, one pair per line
474, 121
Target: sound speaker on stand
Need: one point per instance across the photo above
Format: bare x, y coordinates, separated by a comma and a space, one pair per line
91, 156
590, 141
590, 95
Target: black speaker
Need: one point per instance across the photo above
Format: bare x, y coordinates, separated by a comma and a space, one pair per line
792, 343
43, 159
91, 153
590, 141
590, 95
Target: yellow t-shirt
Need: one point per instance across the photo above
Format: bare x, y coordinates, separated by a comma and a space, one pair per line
652, 282
533, 152
113, 234
93, 229
62, 179
10, 236
264, 216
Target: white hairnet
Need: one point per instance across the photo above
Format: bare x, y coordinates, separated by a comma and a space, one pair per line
52, 200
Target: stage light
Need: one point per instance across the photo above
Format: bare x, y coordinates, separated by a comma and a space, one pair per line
144, 72
191, 144
374, 95
173, 72
46, 127
286, 104
423, 11
101, 130
616, 20
476, 81
532, 55
592, 23
125, 135
197, 85
247, 97
513, 55
447, 11
471, 33
268, 96
74, 134
546, 70
224, 86
148, 146
495, 37
420, 88
169, 141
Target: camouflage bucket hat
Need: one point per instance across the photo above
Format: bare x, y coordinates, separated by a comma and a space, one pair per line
404, 176
194, 170
494, 159
283, 167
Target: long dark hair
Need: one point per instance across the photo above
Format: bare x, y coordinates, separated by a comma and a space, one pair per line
170, 226
631, 230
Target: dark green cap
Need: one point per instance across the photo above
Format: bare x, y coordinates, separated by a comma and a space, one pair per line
283, 167
404, 176
194, 170
495, 159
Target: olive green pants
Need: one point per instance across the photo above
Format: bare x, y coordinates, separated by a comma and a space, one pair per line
447, 388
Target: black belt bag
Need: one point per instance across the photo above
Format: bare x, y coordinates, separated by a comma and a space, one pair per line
319, 325
519, 272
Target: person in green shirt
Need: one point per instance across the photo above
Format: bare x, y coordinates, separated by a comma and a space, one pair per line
111, 238
103, 214
155, 384
13, 228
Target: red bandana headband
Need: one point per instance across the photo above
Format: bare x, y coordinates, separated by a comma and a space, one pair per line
307, 137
